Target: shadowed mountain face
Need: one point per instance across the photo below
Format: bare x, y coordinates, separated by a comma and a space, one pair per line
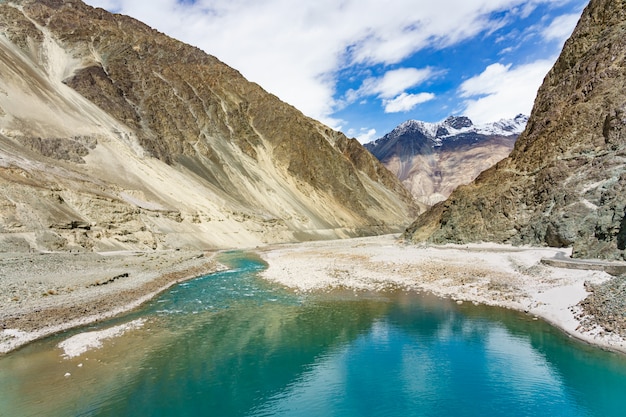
114, 136
432, 159
564, 183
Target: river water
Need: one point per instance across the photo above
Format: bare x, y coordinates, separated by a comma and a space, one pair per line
231, 344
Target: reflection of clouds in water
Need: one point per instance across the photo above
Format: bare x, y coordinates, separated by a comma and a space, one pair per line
379, 332
318, 391
382, 371
423, 376
475, 363
513, 361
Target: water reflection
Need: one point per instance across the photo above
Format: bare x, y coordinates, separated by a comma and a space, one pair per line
232, 345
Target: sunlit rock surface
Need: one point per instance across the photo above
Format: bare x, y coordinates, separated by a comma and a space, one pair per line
115, 136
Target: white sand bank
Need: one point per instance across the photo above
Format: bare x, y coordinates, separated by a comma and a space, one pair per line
499, 275
82, 342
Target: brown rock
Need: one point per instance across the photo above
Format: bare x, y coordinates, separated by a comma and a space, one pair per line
151, 143
563, 184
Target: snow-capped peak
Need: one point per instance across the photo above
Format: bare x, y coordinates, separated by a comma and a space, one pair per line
505, 127
458, 125
454, 126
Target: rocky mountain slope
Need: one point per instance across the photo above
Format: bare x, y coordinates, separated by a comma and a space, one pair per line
564, 183
432, 159
115, 136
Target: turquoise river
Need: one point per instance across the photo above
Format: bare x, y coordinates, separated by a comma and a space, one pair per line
231, 344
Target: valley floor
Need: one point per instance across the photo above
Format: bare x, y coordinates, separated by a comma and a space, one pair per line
45, 293
41, 294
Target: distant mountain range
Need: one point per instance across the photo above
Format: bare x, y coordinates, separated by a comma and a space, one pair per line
564, 183
432, 159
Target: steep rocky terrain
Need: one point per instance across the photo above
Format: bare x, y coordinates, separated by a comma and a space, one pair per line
432, 159
115, 136
564, 183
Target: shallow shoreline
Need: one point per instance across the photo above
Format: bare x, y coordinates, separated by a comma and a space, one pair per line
491, 274
45, 293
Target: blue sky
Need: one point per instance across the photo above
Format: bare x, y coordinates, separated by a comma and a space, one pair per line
365, 66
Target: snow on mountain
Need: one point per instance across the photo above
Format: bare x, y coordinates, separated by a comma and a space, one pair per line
504, 127
454, 126
432, 159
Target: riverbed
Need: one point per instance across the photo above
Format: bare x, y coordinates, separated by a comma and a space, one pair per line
232, 343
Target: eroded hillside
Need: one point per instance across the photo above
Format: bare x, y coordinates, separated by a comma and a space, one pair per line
115, 136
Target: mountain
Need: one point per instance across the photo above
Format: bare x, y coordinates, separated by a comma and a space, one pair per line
564, 183
432, 159
115, 136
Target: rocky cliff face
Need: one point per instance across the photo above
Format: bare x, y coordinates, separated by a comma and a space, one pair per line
432, 159
564, 184
114, 136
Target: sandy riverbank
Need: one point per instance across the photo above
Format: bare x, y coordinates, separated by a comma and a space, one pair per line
499, 275
41, 294
44, 293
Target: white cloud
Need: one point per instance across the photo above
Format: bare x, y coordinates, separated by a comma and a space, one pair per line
110, 5
561, 28
395, 82
405, 102
502, 91
295, 52
363, 135
391, 89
